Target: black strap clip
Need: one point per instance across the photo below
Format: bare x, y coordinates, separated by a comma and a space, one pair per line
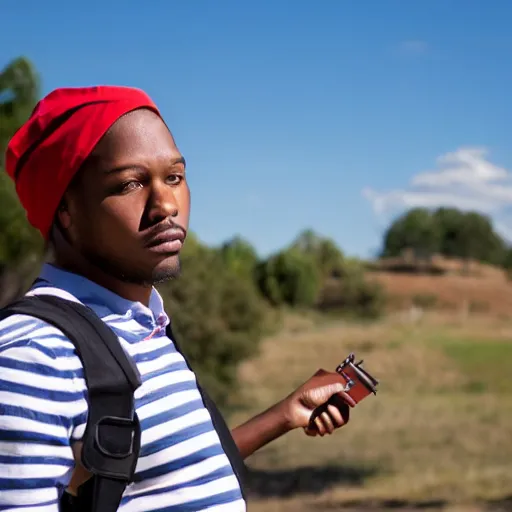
120, 430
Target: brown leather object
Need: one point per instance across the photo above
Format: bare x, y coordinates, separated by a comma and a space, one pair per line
359, 383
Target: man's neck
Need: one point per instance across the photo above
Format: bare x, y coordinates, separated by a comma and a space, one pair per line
77, 264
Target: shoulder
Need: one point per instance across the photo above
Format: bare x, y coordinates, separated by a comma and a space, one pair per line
38, 361
33, 335
41, 377
22, 330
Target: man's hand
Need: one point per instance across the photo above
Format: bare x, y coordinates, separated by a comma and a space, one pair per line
320, 405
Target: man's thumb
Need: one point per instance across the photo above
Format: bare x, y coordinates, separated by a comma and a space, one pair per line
319, 395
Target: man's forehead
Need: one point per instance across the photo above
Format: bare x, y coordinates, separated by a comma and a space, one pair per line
136, 131
132, 122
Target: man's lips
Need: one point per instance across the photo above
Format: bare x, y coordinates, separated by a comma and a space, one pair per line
168, 241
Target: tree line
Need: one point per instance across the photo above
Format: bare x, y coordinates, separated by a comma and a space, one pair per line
466, 235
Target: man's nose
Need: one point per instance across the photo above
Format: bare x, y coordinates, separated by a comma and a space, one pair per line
163, 203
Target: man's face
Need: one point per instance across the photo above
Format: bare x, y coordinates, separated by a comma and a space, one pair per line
128, 210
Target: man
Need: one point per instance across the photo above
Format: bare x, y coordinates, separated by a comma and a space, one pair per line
100, 176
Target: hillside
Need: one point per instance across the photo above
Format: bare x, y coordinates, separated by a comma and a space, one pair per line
486, 289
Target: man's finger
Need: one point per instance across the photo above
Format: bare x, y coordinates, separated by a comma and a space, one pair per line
327, 422
345, 398
311, 431
336, 416
344, 412
332, 384
320, 426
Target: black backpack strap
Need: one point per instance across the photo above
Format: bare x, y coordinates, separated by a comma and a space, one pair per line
111, 441
221, 427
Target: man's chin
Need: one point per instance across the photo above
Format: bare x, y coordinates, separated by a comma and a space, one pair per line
140, 273
169, 269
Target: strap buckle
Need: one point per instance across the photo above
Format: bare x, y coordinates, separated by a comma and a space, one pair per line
115, 437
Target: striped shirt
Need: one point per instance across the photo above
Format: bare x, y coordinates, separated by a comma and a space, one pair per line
43, 410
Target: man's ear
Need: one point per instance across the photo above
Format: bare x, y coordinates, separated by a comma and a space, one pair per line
63, 215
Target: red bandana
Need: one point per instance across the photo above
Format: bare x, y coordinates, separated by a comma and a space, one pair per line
48, 150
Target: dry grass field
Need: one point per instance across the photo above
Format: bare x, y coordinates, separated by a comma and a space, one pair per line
438, 436
486, 291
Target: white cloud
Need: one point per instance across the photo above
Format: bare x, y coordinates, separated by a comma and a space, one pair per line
464, 179
466, 166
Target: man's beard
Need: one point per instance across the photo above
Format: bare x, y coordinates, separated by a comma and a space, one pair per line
134, 275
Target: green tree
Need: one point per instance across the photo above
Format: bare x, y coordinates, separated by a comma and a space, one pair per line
469, 235
20, 245
451, 222
217, 317
479, 241
240, 256
289, 277
344, 289
351, 293
19, 93
418, 230
325, 253
507, 258
448, 231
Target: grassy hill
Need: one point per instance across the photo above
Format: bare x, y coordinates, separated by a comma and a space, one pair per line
437, 435
453, 286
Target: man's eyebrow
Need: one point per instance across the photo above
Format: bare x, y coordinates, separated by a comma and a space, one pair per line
122, 168
179, 160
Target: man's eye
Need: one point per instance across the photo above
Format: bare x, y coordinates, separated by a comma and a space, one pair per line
175, 179
129, 186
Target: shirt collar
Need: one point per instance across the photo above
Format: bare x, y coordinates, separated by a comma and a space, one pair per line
90, 293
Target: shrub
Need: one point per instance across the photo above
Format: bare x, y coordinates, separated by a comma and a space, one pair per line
289, 277
352, 294
217, 317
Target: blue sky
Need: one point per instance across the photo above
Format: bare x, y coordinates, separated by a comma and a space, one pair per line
330, 115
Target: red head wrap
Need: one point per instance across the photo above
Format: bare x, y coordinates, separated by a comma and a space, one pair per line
48, 150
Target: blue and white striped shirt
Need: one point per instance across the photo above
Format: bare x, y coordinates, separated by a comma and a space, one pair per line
43, 410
